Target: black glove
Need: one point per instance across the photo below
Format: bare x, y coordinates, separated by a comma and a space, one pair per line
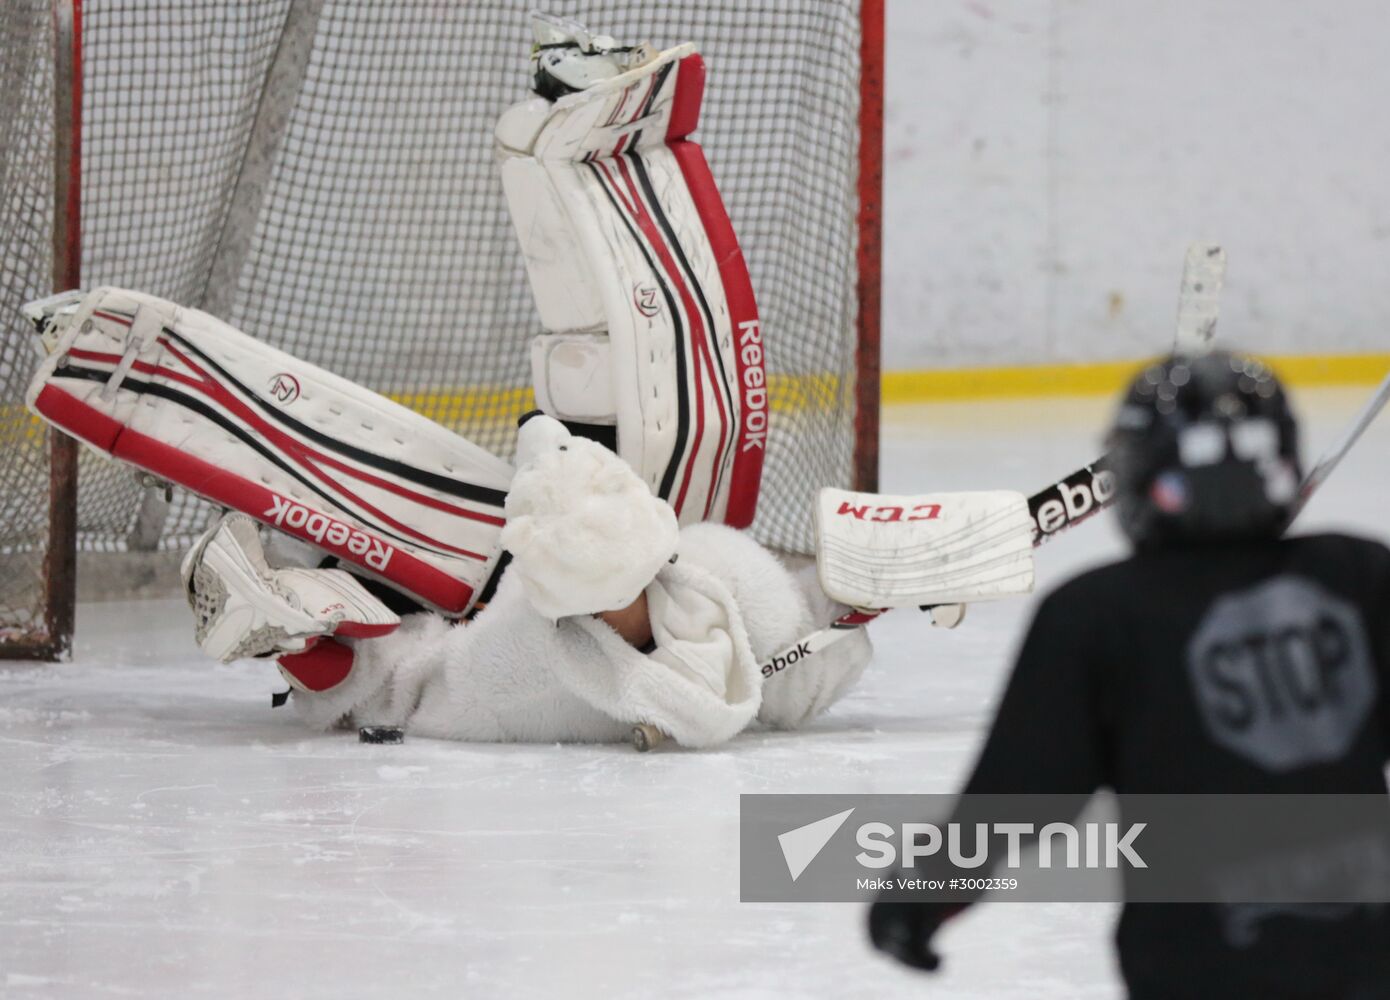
904, 930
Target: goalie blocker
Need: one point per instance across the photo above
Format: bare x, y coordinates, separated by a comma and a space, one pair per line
879, 551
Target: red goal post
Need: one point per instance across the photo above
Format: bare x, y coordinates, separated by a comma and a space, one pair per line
869, 272
319, 173
38, 554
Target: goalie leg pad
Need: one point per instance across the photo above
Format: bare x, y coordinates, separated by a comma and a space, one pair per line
185, 396
626, 239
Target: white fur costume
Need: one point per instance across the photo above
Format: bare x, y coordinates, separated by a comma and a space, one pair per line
513, 673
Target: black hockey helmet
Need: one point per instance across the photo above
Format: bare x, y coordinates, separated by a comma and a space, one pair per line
1204, 448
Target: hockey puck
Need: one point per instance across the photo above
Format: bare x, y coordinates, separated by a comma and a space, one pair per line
381, 734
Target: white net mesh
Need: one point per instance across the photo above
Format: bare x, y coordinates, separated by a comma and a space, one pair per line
375, 240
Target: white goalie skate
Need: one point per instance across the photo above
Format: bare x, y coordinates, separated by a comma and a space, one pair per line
242, 607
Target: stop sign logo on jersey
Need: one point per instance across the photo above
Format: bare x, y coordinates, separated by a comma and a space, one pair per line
1282, 673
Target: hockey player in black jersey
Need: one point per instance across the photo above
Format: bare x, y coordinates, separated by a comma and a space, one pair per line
1161, 674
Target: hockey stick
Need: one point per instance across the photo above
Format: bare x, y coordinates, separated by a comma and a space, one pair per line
1319, 473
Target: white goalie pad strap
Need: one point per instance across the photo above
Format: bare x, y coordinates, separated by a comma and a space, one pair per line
251, 428
625, 236
880, 551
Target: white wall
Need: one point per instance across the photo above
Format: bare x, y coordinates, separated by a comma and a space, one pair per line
1047, 161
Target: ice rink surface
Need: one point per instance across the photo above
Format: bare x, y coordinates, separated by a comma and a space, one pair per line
164, 833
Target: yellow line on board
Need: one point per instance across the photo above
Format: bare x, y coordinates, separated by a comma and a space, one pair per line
1106, 378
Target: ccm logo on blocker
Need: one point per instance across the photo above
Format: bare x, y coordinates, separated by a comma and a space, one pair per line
889, 514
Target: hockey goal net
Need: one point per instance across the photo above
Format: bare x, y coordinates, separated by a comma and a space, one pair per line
320, 174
